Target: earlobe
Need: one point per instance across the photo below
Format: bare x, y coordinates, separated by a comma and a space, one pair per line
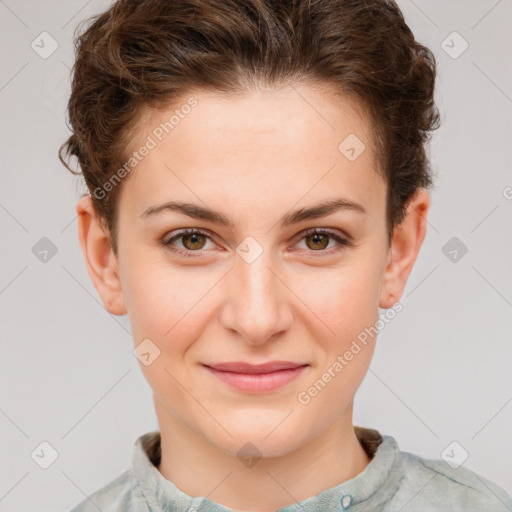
99, 258
408, 237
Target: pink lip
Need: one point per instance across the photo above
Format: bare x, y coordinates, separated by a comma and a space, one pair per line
257, 378
241, 367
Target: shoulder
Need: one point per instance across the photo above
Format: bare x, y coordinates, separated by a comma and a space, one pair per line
431, 484
121, 495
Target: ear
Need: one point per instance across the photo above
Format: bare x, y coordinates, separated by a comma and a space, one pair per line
407, 239
99, 257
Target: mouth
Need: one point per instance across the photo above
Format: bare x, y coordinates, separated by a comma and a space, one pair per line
257, 378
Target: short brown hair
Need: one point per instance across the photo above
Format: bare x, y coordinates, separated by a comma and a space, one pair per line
150, 52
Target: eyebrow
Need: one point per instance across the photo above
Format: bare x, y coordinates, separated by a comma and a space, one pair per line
315, 211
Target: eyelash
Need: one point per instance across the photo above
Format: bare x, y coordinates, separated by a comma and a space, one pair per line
166, 242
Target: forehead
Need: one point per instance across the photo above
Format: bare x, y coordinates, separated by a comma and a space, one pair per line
260, 146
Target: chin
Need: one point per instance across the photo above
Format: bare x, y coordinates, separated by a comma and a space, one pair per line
259, 439
248, 446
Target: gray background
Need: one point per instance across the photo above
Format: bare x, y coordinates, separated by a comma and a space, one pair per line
441, 370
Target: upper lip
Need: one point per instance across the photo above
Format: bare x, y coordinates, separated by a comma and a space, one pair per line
241, 367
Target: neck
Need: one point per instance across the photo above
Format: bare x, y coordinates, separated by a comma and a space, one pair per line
199, 468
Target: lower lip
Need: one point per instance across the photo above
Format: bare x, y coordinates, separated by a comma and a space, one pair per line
258, 382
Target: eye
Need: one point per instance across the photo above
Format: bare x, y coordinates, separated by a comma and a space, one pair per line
317, 239
194, 241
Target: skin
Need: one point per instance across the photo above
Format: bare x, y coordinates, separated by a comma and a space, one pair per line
254, 157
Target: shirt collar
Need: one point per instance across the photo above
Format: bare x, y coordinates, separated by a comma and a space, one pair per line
369, 490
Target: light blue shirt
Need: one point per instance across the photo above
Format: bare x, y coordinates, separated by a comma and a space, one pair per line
393, 481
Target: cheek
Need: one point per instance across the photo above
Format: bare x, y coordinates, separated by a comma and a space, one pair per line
165, 307
163, 301
344, 299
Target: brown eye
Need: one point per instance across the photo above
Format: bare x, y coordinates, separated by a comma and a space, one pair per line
318, 241
194, 241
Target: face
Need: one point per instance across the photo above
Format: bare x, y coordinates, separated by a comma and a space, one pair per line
260, 286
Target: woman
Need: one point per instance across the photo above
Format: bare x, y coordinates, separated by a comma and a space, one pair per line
258, 190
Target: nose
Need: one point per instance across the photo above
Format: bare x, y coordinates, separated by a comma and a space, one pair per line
258, 307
